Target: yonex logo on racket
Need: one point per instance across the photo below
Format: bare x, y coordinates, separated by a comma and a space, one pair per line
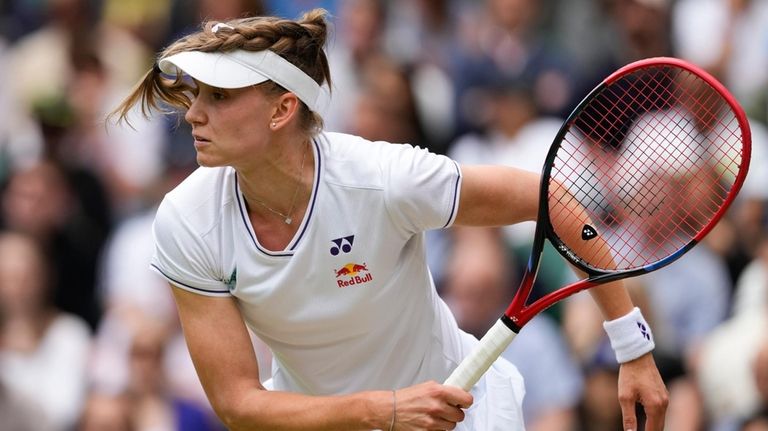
588, 232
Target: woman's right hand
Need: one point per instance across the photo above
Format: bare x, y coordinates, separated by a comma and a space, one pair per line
430, 406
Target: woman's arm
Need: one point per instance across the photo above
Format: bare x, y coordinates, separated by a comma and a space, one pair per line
498, 195
228, 369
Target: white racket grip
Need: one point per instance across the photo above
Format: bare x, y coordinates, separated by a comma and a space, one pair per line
477, 363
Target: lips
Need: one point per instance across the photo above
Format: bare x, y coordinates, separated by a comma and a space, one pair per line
200, 141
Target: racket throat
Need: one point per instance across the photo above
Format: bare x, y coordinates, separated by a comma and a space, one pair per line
515, 316
509, 322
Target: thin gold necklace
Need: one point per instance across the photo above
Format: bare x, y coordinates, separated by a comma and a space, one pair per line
287, 217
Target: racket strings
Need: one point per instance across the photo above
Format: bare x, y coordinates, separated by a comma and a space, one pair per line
647, 164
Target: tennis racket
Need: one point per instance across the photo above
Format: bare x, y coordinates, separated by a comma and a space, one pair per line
640, 171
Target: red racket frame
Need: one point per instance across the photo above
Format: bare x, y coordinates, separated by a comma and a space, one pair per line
518, 313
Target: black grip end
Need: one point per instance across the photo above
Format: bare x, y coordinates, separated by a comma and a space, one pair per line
514, 327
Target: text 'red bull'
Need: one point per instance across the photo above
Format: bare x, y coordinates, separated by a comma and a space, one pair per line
351, 275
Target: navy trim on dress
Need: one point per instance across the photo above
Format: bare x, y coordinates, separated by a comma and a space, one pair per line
314, 196
455, 195
171, 279
295, 242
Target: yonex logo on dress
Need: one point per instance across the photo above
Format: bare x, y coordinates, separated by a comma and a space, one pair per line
342, 244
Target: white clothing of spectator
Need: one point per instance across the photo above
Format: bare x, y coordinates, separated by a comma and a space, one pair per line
727, 37
53, 376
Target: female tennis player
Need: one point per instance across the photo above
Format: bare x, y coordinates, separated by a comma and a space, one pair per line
315, 241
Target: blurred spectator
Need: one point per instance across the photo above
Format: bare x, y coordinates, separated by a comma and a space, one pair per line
477, 284
584, 30
502, 41
20, 139
43, 352
630, 30
40, 202
17, 414
358, 37
727, 37
106, 413
751, 293
187, 15
516, 135
423, 31
542, 355
759, 423
6, 121
69, 74
40, 62
598, 410
689, 299
643, 28
130, 294
294, 8
385, 106
147, 401
152, 406
126, 169
422, 34
145, 20
733, 358
746, 226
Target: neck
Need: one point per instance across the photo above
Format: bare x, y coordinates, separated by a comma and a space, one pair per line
280, 190
22, 333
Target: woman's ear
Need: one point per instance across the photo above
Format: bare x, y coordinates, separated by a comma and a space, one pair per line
285, 109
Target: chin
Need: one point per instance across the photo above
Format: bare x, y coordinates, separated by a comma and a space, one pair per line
202, 162
207, 162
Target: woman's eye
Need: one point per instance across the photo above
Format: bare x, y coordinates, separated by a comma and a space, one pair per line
218, 95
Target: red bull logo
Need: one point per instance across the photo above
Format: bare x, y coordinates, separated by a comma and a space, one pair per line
351, 274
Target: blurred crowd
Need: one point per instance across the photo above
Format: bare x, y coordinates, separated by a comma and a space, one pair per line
89, 339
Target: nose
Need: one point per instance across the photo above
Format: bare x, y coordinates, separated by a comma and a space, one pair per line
195, 114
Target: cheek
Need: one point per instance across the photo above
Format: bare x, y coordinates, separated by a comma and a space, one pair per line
243, 123
247, 136
248, 127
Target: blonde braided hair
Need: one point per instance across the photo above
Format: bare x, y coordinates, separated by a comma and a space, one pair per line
300, 42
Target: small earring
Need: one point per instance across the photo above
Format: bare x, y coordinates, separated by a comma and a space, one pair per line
274, 124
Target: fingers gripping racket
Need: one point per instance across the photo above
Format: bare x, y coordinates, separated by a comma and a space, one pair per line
638, 174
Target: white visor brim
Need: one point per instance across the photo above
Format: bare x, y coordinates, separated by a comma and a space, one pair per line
240, 68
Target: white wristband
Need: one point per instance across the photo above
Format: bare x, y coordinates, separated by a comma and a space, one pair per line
630, 336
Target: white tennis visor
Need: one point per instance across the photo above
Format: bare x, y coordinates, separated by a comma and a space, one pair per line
240, 68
